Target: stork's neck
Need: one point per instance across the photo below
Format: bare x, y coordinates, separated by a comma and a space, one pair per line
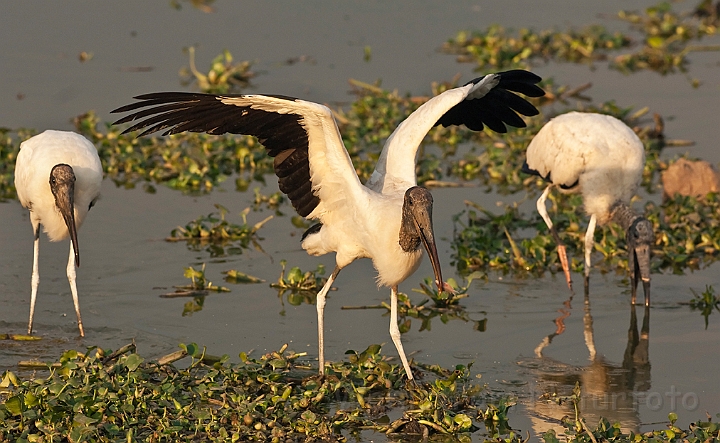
623, 215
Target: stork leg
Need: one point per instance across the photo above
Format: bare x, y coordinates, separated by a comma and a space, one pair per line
395, 331
73, 288
35, 281
562, 252
588, 332
589, 245
320, 305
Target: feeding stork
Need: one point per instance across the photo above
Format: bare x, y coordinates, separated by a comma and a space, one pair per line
57, 177
389, 217
600, 157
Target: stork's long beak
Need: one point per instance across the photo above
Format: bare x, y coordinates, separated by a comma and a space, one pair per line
642, 266
65, 201
423, 221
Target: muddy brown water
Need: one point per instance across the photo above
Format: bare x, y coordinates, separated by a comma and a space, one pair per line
629, 373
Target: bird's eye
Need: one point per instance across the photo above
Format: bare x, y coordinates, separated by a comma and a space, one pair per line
52, 180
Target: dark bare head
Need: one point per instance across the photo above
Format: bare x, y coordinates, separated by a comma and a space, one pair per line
62, 185
417, 227
640, 238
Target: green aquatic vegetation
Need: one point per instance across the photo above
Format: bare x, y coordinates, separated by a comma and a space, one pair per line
666, 38
103, 396
499, 48
198, 288
272, 201
687, 232
513, 242
686, 237
9, 147
224, 76
578, 431
218, 236
190, 162
706, 303
662, 46
299, 281
445, 306
446, 299
199, 284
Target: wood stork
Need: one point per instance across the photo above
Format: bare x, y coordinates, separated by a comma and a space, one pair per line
385, 220
57, 177
603, 159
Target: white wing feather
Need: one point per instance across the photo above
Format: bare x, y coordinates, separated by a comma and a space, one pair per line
395, 169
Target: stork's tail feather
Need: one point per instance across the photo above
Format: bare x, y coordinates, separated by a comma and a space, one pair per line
314, 229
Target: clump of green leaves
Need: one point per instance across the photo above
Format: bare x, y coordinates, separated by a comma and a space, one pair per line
198, 281
297, 286
9, 148
198, 288
663, 45
272, 201
299, 281
687, 232
106, 396
443, 305
499, 48
666, 38
485, 241
706, 303
224, 76
215, 233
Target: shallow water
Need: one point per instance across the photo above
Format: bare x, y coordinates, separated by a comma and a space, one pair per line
126, 264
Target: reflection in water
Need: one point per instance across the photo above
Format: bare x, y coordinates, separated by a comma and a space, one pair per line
295, 298
609, 390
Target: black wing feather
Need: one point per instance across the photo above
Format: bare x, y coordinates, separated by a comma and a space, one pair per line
500, 107
282, 135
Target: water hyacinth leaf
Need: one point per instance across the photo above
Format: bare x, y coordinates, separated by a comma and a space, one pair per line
192, 349
132, 361
15, 404
9, 378
82, 420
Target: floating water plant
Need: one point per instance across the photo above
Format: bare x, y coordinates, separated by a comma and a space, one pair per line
224, 76
217, 235
663, 44
706, 302
299, 281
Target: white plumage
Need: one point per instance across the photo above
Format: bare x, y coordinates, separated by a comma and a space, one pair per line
601, 158
387, 219
57, 177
